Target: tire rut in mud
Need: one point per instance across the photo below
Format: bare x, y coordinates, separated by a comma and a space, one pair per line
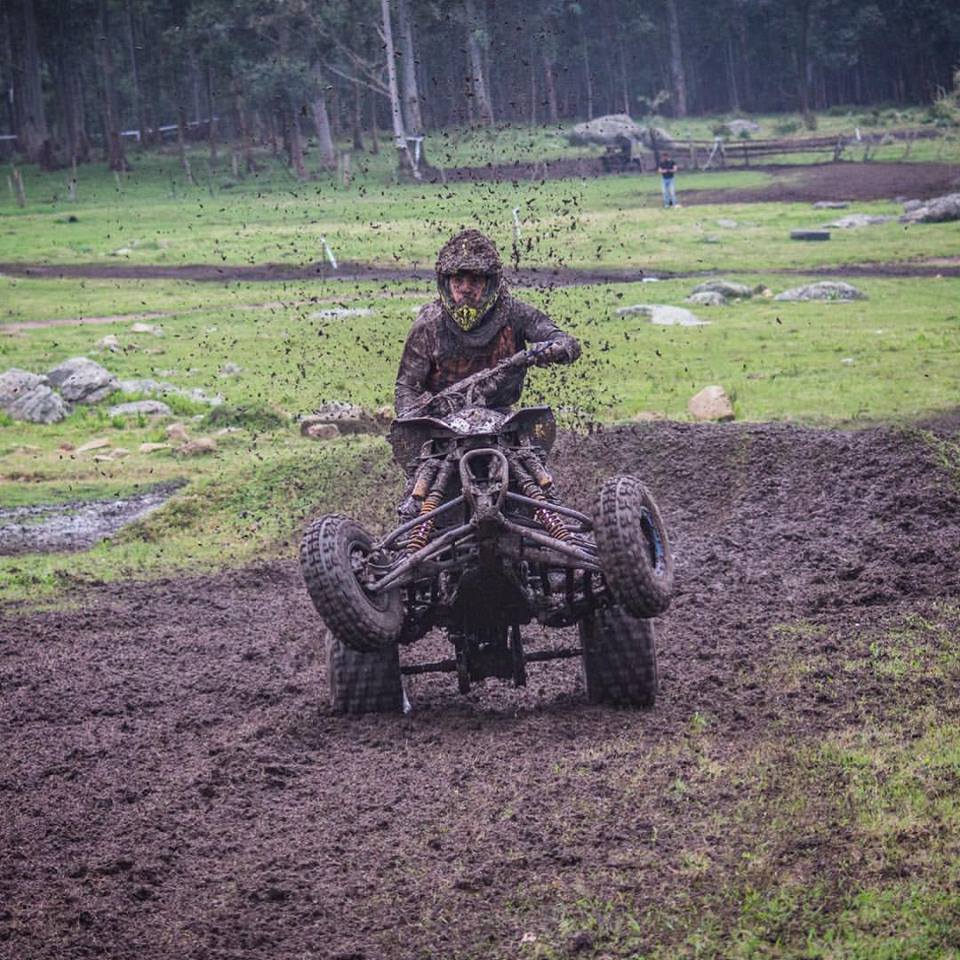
172, 787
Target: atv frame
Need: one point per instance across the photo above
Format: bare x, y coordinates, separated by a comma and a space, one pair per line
485, 549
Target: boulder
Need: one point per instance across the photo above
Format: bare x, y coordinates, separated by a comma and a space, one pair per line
910, 205
823, 290
711, 403
147, 408
145, 386
728, 289
109, 342
154, 331
853, 220
707, 298
230, 370
741, 125
939, 210
153, 447
321, 431
605, 130
39, 405
664, 315
348, 418
177, 433
100, 443
81, 380
198, 447
613, 128
15, 383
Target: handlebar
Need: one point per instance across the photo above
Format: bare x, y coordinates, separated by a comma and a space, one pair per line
467, 392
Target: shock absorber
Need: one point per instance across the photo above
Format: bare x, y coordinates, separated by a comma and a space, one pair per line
547, 518
421, 534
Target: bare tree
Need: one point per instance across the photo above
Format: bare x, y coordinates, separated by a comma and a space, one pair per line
321, 120
399, 134
677, 74
474, 33
408, 64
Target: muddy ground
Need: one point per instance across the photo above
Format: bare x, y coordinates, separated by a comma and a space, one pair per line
173, 787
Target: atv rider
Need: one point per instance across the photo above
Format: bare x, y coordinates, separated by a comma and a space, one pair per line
473, 325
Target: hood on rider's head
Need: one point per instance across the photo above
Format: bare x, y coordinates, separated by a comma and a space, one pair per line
469, 251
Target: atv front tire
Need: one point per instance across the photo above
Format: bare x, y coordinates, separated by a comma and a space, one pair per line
363, 682
633, 547
332, 555
619, 659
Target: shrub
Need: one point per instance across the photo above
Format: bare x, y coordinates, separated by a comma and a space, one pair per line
254, 416
786, 127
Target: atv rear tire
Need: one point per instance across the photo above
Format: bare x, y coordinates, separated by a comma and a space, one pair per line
619, 659
633, 547
363, 682
331, 552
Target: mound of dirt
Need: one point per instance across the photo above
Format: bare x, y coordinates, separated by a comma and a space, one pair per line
172, 790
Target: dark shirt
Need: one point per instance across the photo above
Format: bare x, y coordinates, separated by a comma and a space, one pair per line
667, 169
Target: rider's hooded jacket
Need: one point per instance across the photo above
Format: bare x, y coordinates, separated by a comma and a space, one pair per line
448, 343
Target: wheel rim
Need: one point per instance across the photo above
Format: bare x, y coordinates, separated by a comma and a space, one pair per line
656, 553
357, 553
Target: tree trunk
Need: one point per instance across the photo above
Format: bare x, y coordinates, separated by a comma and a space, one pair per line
677, 74
732, 78
357, 119
533, 90
803, 59
33, 135
481, 98
116, 158
408, 64
136, 93
587, 77
212, 130
294, 143
551, 86
374, 125
321, 121
399, 135
243, 128
182, 144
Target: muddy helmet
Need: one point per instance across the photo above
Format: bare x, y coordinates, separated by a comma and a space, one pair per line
469, 251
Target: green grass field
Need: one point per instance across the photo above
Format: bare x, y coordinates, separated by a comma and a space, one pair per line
894, 357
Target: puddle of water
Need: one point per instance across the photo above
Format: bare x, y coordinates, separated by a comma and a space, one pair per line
61, 527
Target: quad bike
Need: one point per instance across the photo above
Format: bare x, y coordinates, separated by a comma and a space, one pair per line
488, 549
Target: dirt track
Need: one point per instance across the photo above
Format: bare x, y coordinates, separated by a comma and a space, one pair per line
171, 789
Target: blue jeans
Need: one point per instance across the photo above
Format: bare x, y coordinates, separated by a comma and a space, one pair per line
669, 192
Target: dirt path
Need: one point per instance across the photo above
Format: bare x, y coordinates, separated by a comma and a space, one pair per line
172, 790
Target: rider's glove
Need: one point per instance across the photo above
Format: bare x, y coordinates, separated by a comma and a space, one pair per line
548, 353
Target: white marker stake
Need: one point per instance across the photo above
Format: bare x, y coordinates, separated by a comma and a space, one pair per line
516, 225
329, 253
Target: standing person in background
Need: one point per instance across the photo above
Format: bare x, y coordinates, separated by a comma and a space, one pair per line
667, 169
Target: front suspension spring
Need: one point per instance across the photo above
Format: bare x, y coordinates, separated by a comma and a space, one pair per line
422, 533
552, 522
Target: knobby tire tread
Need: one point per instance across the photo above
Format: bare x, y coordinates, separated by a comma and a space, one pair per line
333, 587
363, 682
621, 543
619, 659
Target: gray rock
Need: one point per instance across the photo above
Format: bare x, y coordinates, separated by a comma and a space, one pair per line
854, 220
605, 130
728, 289
831, 205
727, 224
81, 380
823, 290
145, 386
910, 205
15, 383
939, 210
664, 315
707, 298
148, 408
740, 125
39, 405
711, 403
347, 417
230, 369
